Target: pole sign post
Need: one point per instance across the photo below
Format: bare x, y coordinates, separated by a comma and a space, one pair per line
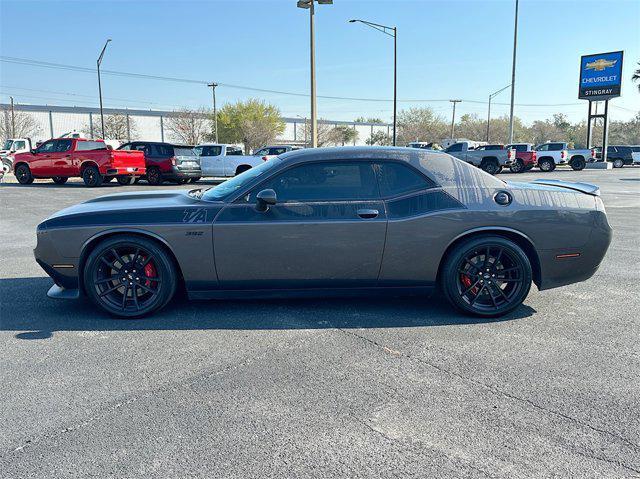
600, 76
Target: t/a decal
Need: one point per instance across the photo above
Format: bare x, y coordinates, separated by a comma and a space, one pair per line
195, 216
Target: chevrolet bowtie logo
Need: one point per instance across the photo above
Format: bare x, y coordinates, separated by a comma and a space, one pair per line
600, 64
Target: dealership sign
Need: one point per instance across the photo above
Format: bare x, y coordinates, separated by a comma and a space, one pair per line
600, 76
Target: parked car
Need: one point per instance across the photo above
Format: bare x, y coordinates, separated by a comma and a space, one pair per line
351, 220
620, 155
525, 157
635, 154
167, 162
62, 158
11, 147
221, 160
491, 161
555, 153
268, 152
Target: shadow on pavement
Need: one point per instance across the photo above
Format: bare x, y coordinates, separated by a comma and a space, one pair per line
27, 311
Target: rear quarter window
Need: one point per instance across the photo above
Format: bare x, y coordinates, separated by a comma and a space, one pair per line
90, 145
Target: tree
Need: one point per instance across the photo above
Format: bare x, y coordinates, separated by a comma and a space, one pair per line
343, 134
416, 124
189, 126
324, 132
252, 122
18, 125
379, 138
362, 119
636, 76
115, 127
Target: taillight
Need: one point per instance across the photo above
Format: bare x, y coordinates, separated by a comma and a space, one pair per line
173, 161
593, 153
533, 155
264, 158
563, 154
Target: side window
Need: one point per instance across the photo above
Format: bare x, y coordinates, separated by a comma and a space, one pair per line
62, 146
46, 147
126, 147
555, 146
397, 179
277, 151
19, 145
323, 182
162, 150
211, 151
263, 152
544, 147
455, 147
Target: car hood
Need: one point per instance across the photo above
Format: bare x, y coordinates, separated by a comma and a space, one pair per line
154, 207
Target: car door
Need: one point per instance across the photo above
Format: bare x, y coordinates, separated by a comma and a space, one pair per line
41, 164
327, 230
61, 160
212, 161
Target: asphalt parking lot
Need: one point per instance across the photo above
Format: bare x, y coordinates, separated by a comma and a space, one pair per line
319, 388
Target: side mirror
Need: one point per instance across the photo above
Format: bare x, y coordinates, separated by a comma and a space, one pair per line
264, 199
33, 151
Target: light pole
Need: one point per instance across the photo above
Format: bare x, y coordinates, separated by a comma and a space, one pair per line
309, 5
453, 116
213, 86
489, 109
513, 74
385, 29
13, 119
100, 85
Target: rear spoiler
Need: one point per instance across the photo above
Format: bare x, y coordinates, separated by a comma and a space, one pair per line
587, 188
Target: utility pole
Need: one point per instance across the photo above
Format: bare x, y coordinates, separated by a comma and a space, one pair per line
213, 86
513, 74
13, 120
100, 85
453, 117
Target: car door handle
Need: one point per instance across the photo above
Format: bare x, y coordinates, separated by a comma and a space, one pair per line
365, 213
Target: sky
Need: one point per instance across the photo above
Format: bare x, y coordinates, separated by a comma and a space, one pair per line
446, 49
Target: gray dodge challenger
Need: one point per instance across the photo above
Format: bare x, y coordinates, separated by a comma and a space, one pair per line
330, 221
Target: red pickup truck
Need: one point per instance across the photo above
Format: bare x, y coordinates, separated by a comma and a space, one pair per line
62, 158
525, 157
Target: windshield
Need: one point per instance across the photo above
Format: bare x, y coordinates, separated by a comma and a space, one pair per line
229, 187
7, 145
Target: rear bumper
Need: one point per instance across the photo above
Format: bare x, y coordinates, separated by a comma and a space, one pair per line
177, 173
125, 171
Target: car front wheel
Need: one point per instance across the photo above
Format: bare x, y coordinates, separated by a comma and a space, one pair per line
129, 276
486, 276
23, 175
618, 163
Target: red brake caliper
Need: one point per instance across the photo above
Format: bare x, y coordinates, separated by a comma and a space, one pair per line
466, 281
150, 272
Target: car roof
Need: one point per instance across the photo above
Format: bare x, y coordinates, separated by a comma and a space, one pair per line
354, 153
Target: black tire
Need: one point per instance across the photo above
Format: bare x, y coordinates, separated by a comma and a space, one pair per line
7, 166
113, 271
137, 180
618, 163
59, 180
242, 169
517, 167
125, 180
546, 164
23, 175
486, 276
154, 177
195, 180
491, 166
92, 177
578, 164
108, 179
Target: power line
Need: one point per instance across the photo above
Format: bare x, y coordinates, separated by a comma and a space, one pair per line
60, 66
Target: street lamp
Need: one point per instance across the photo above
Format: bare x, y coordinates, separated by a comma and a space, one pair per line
386, 30
489, 111
453, 117
100, 85
309, 5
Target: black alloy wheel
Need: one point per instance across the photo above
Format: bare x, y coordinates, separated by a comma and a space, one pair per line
91, 176
488, 276
23, 175
154, 177
491, 166
618, 163
125, 180
129, 276
59, 180
578, 164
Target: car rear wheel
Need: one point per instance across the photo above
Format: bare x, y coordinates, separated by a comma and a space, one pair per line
618, 163
129, 276
59, 180
153, 176
578, 164
125, 180
23, 175
487, 276
92, 177
546, 164
517, 167
491, 166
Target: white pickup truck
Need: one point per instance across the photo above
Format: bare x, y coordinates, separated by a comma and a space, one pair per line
551, 154
490, 160
11, 147
220, 160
